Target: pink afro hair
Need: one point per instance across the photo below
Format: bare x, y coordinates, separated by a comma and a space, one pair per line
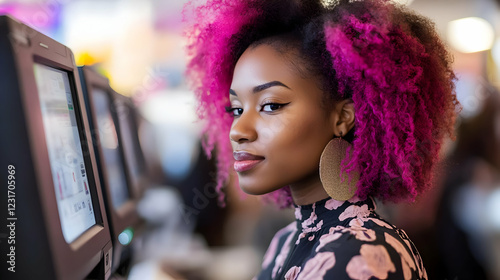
388, 60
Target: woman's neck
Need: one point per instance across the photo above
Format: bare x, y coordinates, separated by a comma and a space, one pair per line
308, 190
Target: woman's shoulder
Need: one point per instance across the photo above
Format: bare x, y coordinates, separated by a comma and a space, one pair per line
366, 247
283, 234
280, 239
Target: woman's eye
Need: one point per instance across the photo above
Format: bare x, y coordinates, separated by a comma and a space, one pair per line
271, 107
236, 112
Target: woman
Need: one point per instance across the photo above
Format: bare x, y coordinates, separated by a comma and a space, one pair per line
327, 105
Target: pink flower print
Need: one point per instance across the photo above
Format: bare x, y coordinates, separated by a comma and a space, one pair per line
301, 235
292, 273
306, 225
298, 214
337, 228
360, 232
333, 204
364, 234
380, 223
317, 267
418, 260
311, 218
355, 211
280, 259
374, 261
357, 223
407, 261
307, 230
315, 228
333, 235
272, 250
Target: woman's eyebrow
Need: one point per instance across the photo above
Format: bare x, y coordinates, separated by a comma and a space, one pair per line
262, 87
268, 85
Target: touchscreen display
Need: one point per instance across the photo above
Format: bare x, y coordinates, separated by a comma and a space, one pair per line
110, 148
74, 200
131, 146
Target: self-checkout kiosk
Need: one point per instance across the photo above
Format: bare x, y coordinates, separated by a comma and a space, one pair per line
108, 124
55, 201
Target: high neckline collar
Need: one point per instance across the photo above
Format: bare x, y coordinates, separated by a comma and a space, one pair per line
332, 211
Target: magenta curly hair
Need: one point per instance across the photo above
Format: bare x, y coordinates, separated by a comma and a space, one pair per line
388, 60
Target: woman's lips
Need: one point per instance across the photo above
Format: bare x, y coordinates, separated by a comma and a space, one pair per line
245, 161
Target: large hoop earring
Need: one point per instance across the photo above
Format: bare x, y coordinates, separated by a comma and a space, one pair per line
336, 186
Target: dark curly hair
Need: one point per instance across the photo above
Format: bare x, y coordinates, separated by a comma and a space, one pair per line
387, 59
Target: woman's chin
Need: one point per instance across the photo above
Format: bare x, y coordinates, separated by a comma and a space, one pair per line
252, 190
253, 183
256, 189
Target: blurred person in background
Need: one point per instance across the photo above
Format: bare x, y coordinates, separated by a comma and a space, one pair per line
468, 220
327, 105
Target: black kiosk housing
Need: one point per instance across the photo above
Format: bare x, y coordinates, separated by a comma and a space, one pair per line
53, 192
119, 189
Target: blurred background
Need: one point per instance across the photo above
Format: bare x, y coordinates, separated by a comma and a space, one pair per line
138, 45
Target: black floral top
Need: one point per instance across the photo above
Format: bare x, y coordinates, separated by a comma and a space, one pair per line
333, 239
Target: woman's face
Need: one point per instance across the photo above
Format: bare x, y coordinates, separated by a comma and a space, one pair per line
280, 126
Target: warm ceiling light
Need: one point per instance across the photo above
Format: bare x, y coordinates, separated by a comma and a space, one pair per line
470, 34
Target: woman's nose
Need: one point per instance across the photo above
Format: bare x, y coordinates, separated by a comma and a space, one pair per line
243, 128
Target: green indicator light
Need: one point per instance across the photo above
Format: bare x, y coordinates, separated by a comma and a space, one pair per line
126, 236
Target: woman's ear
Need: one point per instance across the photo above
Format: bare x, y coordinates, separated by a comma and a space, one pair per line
343, 117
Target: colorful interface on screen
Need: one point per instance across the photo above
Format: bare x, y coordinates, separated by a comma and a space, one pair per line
74, 200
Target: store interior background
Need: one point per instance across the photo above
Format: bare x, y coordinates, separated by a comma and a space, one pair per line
139, 46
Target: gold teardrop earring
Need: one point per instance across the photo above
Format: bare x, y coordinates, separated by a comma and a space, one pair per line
336, 186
